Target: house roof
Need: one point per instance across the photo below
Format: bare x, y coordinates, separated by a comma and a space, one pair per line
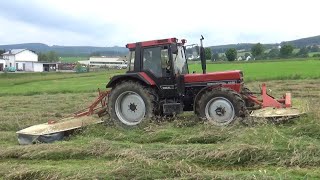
13, 51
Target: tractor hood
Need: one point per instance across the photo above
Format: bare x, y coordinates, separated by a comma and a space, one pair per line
214, 76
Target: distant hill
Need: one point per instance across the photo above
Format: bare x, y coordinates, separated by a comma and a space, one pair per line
240, 46
315, 40
87, 50
68, 50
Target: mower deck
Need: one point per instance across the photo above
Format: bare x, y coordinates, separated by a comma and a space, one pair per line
52, 131
270, 112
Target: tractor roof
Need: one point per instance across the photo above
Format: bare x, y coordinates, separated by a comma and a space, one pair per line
153, 43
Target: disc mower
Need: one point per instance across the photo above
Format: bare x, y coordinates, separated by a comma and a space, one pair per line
158, 83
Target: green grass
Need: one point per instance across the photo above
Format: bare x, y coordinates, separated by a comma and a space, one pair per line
271, 70
178, 148
181, 148
313, 53
72, 59
52, 83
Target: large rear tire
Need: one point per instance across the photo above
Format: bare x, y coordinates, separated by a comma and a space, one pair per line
221, 106
130, 105
246, 91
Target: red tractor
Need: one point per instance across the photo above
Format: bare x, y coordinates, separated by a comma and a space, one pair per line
158, 83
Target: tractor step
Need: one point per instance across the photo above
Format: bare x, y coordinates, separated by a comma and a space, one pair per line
172, 108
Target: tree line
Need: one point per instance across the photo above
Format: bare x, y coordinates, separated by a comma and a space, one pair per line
258, 51
50, 56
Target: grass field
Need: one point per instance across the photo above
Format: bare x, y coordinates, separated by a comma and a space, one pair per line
52, 83
179, 148
299, 69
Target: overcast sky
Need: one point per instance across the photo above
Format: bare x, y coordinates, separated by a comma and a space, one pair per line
117, 22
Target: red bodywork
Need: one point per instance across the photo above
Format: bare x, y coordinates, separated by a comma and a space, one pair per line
229, 79
153, 43
147, 78
269, 101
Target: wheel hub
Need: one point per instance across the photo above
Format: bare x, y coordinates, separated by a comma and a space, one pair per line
130, 108
133, 107
220, 111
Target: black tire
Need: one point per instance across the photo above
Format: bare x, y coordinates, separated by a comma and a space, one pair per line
247, 91
233, 106
138, 90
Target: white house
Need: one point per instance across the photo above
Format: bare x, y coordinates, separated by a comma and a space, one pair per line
2, 64
19, 58
25, 60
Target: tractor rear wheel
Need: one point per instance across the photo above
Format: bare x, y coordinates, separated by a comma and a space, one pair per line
247, 92
130, 104
221, 106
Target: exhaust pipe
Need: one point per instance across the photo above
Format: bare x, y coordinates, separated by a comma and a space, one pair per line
202, 56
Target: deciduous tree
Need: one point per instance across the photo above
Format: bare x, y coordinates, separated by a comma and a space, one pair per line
286, 50
231, 54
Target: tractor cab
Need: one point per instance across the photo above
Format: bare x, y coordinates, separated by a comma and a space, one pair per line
161, 58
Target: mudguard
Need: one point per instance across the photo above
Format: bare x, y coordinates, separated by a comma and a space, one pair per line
141, 76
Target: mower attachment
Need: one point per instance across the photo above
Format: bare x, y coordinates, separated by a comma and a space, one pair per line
271, 107
270, 112
53, 131
269, 101
56, 130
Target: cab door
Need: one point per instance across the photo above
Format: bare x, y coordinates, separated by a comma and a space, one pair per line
156, 62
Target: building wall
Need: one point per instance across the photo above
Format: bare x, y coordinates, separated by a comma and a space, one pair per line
26, 55
104, 59
2, 64
9, 59
29, 66
37, 67
19, 65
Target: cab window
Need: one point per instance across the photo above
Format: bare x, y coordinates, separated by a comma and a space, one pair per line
131, 60
155, 60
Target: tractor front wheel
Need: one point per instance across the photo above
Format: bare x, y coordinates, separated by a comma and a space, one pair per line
221, 106
130, 104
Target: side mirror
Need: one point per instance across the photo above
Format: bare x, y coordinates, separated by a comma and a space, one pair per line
174, 48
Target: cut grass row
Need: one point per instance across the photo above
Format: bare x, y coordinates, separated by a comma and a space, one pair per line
182, 148
169, 150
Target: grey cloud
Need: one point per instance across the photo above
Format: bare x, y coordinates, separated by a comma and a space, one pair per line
40, 15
